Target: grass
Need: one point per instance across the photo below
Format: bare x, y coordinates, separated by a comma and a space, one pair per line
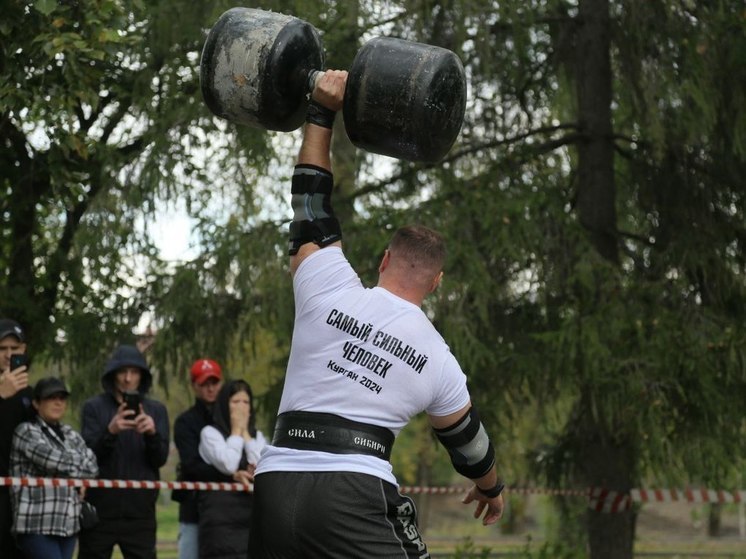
456, 536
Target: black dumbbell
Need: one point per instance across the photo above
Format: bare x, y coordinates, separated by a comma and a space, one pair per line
403, 99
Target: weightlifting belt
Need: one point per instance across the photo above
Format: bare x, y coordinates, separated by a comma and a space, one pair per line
326, 432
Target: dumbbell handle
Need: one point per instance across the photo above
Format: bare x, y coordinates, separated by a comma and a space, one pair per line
313, 77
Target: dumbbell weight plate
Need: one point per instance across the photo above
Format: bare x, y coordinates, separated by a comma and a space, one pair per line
254, 68
405, 99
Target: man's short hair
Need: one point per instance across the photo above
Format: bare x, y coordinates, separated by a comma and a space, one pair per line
420, 246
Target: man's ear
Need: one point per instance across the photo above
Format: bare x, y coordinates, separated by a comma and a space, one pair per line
384, 261
436, 282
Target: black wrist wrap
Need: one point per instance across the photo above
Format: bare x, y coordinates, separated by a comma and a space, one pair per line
313, 216
320, 115
492, 492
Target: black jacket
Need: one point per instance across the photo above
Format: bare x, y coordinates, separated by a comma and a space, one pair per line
13, 411
127, 455
187, 428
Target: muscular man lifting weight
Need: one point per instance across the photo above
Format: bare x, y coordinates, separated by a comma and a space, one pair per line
362, 363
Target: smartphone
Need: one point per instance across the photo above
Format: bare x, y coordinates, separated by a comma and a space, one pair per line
133, 399
18, 360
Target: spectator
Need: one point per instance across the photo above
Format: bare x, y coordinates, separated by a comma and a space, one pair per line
15, 408
46, 520
129, 445
363, 362
232, 444
206, 378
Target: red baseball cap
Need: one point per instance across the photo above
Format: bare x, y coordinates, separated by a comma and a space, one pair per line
204, 369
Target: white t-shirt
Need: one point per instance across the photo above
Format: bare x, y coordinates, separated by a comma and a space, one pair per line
363, 354
225, 454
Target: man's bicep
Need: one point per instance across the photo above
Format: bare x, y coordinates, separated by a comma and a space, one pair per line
445, 421
304, 252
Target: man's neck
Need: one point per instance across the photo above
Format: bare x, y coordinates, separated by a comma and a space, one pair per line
411, 295
204, 403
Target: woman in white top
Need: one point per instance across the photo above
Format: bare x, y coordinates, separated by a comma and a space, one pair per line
231, 444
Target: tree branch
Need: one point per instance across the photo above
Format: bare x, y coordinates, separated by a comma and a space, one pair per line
538, 148
635, 237
115, 119
58, 260
499, 26
86, 123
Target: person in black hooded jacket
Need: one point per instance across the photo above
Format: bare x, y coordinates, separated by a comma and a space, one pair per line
130, 445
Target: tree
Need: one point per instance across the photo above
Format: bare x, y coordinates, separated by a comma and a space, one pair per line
599, 236
102, 124
594, 207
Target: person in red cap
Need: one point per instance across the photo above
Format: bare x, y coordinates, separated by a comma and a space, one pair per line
206, 378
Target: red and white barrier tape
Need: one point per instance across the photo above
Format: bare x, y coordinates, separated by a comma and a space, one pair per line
415, 490
687, 495
123, 484
600, 500
603, 500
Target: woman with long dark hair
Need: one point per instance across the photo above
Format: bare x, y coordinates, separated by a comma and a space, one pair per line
232, 444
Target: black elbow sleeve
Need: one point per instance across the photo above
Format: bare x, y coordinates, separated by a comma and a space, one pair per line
313, 216
468, 445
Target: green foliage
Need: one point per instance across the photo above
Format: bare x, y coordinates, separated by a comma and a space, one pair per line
418, 458
551, 550
102, 124
468, 549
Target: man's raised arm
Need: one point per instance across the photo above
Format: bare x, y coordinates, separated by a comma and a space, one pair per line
314, 225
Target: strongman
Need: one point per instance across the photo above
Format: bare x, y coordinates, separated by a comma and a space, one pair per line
362, 363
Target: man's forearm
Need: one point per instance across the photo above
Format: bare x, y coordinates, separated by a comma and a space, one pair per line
488, 482
316, 146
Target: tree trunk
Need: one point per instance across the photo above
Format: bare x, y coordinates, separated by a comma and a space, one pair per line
609, 464
604, 461
20, 299
611, 535
714, 520
596, 188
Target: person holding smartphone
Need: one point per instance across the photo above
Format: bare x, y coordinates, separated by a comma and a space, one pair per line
15, 408
129, 433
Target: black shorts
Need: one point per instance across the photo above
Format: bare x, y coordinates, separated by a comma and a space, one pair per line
329, 515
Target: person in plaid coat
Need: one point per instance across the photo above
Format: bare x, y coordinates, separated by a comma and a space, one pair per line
47, 519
